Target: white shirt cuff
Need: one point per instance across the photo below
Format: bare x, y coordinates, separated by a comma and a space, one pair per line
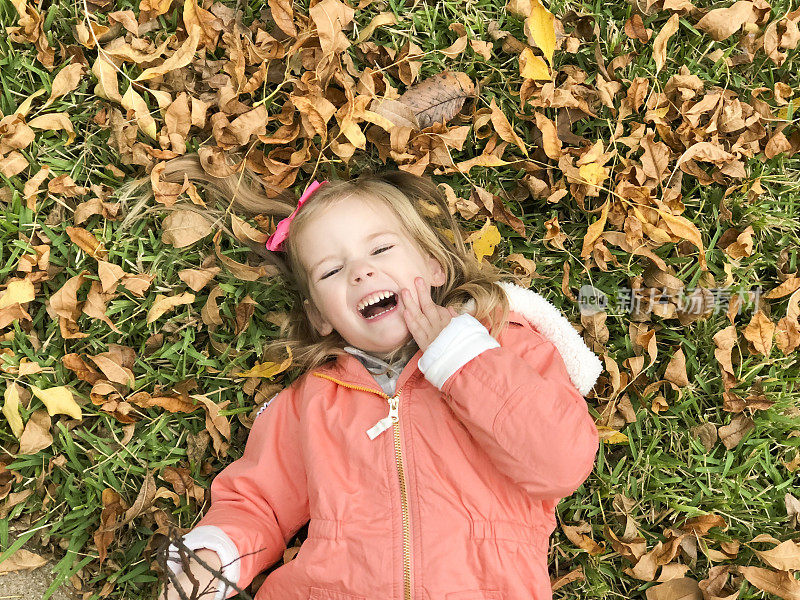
459, 342
212, 538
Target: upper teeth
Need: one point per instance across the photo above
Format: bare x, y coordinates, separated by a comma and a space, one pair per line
373, 299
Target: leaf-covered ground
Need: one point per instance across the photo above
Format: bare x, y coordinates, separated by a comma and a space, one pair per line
636, 163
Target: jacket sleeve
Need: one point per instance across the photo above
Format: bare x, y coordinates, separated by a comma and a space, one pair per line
518, 402
259, 501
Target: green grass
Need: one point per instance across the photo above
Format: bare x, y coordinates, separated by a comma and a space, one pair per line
662, 469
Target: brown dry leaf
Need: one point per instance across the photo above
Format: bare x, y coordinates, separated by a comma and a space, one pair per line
54, 122
64, 302
163, 304
721, 23
785, 556
22, 560
660, 43
136, 104
87, 242
655, 160
144, 500
82, 371
634, 28
65, 81
760, 332
577, 536
216, 424
504, 129
781, 583
184, 227
210, 25
242, 271
676, 369
36, 435
18, 291
107, 82
95, 305
113, 371
126, 18
246, 233
113, 507
110, 275
182, 56
283, 15
551, 144
197, 279
731, 435
379, 20
684, 588
455, 49
436, 99
684, 228
331, 18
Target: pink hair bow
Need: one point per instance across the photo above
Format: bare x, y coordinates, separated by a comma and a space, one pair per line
275, 241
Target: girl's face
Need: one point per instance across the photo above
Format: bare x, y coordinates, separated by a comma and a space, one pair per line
351, 250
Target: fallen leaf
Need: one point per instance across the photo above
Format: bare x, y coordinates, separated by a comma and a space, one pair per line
540, 29
722, 23
59, 401
22, 560
11, 409
19, 291
163, 304
660, 43
533, 67
184, 227
504, 128
331, 17
136, 104
182, 56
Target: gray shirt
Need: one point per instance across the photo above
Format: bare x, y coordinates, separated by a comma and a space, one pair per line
385, 374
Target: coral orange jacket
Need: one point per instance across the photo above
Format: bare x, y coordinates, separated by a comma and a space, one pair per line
444, 491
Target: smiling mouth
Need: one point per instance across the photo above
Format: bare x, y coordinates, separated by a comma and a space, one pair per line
377, 309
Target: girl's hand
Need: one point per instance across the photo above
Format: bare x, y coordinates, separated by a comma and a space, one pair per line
425, 320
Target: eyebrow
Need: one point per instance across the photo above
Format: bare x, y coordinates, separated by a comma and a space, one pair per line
368, 238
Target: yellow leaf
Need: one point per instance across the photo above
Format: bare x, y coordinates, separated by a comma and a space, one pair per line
615, 437
684, 228
133, 101
17, 292
488, 238
268, 369
533, 67
541, 25
59, 401
593, 173
11, 410
594, 231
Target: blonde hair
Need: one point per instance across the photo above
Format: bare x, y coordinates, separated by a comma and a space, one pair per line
420, 206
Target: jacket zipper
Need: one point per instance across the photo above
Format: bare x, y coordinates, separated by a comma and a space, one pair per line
393, 420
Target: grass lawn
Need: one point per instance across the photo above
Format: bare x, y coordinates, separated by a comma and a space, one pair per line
698, 414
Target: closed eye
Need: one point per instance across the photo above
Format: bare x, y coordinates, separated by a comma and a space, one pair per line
379, 250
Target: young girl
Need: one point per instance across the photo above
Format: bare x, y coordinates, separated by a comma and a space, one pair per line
428, 456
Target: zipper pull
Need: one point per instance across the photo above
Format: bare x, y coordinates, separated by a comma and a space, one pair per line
386, 421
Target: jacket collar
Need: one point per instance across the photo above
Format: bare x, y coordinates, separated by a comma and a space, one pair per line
583, 366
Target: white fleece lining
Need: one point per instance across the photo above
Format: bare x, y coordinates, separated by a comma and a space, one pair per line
212, 538
459, 342
583, 365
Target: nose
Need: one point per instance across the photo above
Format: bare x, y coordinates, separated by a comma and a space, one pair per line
359, 272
